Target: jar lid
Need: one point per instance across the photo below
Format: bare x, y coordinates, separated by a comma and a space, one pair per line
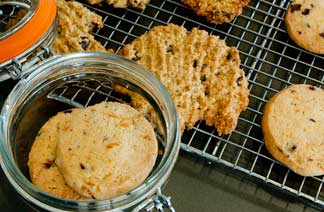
23, 24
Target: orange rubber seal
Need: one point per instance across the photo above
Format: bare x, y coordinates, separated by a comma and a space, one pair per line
31, 32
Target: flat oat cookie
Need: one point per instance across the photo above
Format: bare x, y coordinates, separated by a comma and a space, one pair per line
75, 24
141, 4
106, 150
292, 124
304, 22
200, 72
217, 11
43, 170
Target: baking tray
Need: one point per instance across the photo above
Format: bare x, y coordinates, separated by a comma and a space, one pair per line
270, 60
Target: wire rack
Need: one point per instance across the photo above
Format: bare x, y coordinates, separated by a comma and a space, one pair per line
271, 62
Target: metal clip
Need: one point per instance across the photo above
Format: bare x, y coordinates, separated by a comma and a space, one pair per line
16, 69
20, 69
158, 202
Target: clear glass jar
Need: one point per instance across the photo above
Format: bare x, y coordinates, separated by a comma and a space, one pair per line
76, 80
27, 30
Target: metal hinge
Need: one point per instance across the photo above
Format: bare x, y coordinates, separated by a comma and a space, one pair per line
18, 68
159, 202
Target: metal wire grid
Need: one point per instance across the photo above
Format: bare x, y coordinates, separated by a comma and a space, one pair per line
270, 60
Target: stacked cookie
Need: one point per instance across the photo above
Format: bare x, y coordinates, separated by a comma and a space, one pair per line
93, 153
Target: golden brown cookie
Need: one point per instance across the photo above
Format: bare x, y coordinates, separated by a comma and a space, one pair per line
304, 22
75, 25
292, 124
201, 73
43, 170
217, 11
106, 150
141, 4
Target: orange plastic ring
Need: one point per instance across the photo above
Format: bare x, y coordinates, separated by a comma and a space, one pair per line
31, 32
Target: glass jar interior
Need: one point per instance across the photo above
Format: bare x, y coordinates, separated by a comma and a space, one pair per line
78, 83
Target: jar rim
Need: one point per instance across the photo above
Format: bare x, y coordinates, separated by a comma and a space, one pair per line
155, 180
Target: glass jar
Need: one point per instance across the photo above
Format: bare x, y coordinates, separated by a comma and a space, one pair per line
78, 80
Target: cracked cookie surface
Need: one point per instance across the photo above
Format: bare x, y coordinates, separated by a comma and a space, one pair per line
201, 73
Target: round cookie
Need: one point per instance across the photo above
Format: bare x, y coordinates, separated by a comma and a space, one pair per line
43, 170
292, 124
304, 22
107, 150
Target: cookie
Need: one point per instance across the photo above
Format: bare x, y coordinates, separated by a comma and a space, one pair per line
304, 22
43, 170
292, 124
106, 150
217, 11
140, 4
201, 73
75, 25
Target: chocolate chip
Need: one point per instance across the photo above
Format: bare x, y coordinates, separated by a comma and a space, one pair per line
69, 149
308, 25
295, 7
93, 25
312, 88
322, 34
82, 166
312, 120
217, 74
48, 164
238, 80
136, 57
206, 93
203, 78
305, 11
229, 56
170, 49
292, 148
299, 32
310, 159
84, 43
195, 64
312, 5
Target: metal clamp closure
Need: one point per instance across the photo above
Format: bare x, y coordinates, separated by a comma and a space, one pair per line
18, 68
159, 202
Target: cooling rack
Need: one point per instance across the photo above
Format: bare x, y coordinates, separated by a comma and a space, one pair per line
271, 62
